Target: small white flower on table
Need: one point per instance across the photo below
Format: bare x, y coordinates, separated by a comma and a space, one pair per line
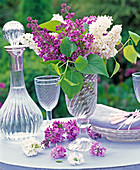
75, 158
31, 147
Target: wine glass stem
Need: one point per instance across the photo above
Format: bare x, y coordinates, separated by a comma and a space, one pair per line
83, 124
83, 133
48, 115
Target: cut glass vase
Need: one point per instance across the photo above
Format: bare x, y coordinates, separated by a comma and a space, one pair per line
82, 106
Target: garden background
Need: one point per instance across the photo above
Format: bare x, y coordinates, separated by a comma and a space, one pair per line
117, 91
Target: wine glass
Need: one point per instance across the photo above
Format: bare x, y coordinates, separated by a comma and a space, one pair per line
47, 92
136, 84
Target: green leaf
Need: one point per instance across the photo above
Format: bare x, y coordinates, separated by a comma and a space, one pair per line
57, 69
37, 146
80, 63
59, 81
58, 161
116, 69
51, 67
51, 25
70, 83
119, 41
95, 65
50, 61
51, 64
130, 54
67, 47
86, 27
138, 55
135, 37
74, 77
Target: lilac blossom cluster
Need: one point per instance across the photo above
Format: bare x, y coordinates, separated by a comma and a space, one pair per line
62, 130
71, 129
58, 152
77, 158
49, 45
54, 134
32, 147
97, 149
92, 134
130, 71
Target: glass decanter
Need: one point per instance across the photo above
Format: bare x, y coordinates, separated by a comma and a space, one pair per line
20, 117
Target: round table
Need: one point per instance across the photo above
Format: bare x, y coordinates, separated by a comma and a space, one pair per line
118, 156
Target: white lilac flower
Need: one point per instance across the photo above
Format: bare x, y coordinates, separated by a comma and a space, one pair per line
31, 147
75, 158
27, 40
58, 17
100, 26
105, 41
54, 34
114, 34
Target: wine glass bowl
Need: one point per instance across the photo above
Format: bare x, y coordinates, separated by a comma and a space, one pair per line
47, 92
136, 84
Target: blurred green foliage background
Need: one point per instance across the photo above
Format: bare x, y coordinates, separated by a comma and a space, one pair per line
118, 91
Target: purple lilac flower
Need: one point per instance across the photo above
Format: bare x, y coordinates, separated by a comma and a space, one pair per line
92, 134
2, 85
58, 152
54, 134
50, 46
70, 15
97, 149
89, 20
63, 5
63, 11
71, 129
75, 33
61, 130
64, 8
68, 8
129, 71
0, 104
99, 79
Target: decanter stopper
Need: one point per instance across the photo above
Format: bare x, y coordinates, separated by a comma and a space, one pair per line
11, 31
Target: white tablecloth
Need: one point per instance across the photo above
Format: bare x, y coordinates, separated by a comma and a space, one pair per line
118, 156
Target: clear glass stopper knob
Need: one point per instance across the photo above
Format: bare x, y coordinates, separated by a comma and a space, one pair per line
12, 30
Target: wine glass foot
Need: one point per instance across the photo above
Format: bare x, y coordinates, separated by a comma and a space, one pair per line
80, 144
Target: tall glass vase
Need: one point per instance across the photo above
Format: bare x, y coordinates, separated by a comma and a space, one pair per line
20, 117
82, 106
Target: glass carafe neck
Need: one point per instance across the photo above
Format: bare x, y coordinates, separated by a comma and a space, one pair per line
16, 65
17, 79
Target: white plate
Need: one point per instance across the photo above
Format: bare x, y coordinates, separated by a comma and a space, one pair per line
118, 135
